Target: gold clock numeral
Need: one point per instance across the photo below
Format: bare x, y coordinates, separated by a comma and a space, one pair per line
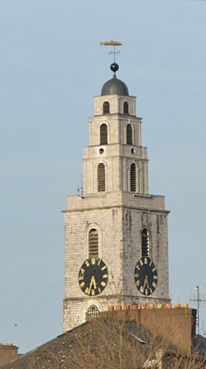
93, 261
87, 263
99, 262
99, 289
87, 291
82, 284
154, 284
104, 267
103, 284
154, 269
105, 276
137, 283
93, 292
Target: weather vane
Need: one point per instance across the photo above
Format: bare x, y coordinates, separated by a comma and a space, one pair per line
114, 44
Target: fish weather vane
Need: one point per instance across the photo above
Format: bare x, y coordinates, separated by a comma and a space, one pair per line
114, 44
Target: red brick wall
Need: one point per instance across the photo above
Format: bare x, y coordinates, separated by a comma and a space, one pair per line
7, 353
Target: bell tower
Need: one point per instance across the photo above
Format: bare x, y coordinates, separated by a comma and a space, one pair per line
116, 239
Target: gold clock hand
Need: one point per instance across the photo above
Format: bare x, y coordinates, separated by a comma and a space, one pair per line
146, 282
92, 283
95, 285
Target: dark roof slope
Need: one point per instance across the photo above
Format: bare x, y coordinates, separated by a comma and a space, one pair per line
100, 343
199, 345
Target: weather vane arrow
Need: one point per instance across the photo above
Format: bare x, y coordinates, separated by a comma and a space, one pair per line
114, 44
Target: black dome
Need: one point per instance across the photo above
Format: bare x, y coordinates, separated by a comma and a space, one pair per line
115, 87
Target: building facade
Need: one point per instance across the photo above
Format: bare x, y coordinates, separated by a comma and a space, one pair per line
116, 237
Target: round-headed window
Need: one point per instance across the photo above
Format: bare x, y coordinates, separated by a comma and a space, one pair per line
92, 312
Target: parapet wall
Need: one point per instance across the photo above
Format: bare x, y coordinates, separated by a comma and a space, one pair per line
175, 325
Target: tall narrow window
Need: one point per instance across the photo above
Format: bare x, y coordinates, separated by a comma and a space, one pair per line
92, 312
103, 134
101, 177
106, 107
133, 178
145, 242
126, 108
129, 134
93, 244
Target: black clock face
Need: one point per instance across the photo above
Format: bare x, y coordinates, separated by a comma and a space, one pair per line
93, 276
145, 276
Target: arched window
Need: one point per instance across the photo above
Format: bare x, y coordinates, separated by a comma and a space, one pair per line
126, 108
145, 242
133, 178
103, 134
101, 177
106, 107
93, 244
92, 312
129, 134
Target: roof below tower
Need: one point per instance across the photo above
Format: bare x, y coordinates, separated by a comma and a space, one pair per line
114, 87
101, 342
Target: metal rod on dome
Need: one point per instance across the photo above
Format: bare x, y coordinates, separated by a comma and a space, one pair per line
114, 53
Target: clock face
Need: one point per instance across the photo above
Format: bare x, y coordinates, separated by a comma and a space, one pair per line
145, 276
93, 276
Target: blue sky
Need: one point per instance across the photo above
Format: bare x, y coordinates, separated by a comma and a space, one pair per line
51, 66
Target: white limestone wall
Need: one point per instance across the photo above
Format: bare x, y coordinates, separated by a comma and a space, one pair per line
116, 103
77, 224
119, 227
134, 220
117, 160
116, 126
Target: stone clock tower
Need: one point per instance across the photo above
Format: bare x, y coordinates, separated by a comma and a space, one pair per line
116, 239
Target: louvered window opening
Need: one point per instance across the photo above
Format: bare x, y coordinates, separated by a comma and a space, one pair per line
103, 134
92, 312
106, 107
101, 177
126, 108
129, 134
145, 243
93, 244
133, 177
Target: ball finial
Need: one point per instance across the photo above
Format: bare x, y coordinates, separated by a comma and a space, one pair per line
114, 67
